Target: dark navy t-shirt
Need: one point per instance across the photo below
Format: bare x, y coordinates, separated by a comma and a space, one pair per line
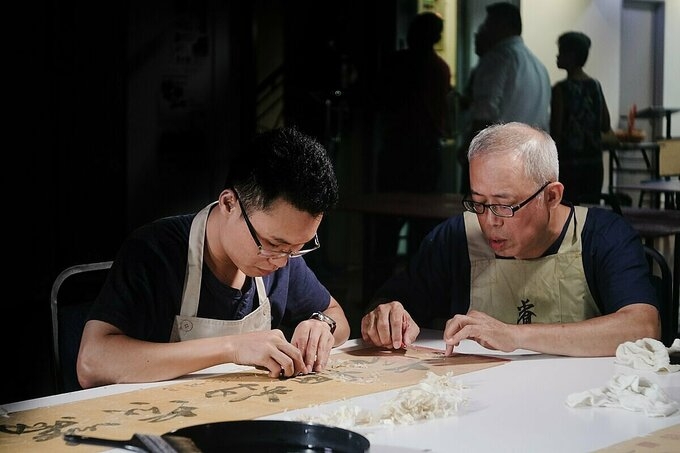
143, 290
436, 283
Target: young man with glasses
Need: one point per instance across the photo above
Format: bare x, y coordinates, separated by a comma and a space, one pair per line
192, 291
520, 269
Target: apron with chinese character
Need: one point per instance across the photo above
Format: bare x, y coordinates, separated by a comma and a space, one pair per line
187, 325
550, 289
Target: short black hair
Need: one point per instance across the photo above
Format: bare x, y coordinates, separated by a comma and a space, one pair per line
425, 30
576, 42
284, 163
506, 13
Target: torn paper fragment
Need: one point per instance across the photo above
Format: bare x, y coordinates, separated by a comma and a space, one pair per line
630, 392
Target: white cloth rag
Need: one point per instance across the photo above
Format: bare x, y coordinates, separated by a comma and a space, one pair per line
647, 354
630, 392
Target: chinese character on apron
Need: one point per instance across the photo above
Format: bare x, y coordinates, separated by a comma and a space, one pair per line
549, 289
187, 325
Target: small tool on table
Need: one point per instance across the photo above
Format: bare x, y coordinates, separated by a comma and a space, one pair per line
144, 443
283, 377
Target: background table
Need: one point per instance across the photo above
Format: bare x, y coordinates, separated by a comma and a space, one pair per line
657, 172
648, 168
669, 187
405, 204
434, 206
649, 152
655, 113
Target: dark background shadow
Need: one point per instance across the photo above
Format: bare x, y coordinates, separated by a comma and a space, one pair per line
129, 111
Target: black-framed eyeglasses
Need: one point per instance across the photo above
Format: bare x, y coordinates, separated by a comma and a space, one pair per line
275, 254
500, 210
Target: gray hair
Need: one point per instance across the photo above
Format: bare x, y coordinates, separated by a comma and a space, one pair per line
533, 146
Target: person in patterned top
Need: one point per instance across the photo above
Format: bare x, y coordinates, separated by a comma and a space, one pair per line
578, 117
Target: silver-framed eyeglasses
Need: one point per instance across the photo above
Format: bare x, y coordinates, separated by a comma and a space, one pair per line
500, 210
276, 254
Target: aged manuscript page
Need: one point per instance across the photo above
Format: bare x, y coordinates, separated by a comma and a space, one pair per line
232, 396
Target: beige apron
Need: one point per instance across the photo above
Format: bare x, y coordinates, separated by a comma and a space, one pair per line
550, 289
187, 325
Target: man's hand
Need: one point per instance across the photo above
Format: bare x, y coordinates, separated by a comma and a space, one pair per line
389, 325
268, 349
314, 340
482, 328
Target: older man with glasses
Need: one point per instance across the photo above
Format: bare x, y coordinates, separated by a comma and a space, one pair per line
191, 291
520, 268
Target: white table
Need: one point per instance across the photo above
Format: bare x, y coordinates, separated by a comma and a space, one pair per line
518, 406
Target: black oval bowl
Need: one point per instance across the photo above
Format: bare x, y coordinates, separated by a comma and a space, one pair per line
273, 436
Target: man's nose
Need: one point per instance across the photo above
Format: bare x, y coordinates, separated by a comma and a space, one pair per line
491, 218
282, 260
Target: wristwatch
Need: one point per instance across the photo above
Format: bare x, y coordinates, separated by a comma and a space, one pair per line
325, 318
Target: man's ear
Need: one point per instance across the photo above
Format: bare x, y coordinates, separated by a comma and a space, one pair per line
553, 193
227, 199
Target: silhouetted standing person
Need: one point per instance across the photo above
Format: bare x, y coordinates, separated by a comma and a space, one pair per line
465, 102
579, 116
412, 102
510, 82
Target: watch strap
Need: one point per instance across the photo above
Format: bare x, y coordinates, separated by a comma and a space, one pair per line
325, 318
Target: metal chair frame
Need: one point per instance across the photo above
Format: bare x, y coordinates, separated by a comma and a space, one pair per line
668, 308
54, 305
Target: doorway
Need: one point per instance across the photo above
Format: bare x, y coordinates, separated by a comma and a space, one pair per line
642, 52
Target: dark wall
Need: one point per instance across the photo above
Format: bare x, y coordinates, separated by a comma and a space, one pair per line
333, 51
86, 153
95, 157
72, 166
